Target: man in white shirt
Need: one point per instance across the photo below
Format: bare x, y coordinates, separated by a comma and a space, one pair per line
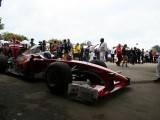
112, 54
103, 49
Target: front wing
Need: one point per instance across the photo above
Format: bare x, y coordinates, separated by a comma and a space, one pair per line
92, 92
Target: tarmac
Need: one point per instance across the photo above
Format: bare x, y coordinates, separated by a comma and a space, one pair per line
23, 100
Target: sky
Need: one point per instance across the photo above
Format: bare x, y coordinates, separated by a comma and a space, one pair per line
132, 22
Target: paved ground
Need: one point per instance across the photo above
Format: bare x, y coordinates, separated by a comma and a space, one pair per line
22, 100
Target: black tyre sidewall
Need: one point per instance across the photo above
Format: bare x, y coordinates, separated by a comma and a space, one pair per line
99, 62
63, 76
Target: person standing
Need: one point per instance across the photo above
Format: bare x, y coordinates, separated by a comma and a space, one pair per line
133, 58
65, 50
138, 56
102, 49
124, 55
158, 68
154, 56
32, 42
142, 55
151, 56
147, 56
76, 51
59, 50
112, 54
44, 45
54, 48
92, 55
70, 47
81, 53
119, 54
1, 44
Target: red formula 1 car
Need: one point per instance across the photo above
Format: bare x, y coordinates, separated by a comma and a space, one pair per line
84, 80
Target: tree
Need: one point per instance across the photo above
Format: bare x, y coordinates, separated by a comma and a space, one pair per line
52, 40
1, 25
156, 48
7, 36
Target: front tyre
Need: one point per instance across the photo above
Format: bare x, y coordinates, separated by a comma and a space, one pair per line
58, 76
93, 79
99, 62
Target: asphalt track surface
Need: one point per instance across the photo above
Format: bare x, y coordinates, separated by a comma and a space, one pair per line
23, 100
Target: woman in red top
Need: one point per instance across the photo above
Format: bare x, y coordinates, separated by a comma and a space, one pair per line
155, 56
119, 54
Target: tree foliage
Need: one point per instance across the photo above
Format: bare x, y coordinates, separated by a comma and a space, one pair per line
52, 40
1, 24
7, 36
156, 48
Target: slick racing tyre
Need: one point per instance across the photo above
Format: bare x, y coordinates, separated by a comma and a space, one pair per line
3, 63
94, 79
99, 62
58, 76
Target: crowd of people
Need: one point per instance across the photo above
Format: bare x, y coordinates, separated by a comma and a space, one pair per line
5, 46
65, 49
134, 55
120, 54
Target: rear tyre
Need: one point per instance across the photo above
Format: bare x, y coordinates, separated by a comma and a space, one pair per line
58, 76
99, 62
3, 63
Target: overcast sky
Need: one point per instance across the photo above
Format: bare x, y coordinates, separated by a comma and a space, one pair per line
117, 21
